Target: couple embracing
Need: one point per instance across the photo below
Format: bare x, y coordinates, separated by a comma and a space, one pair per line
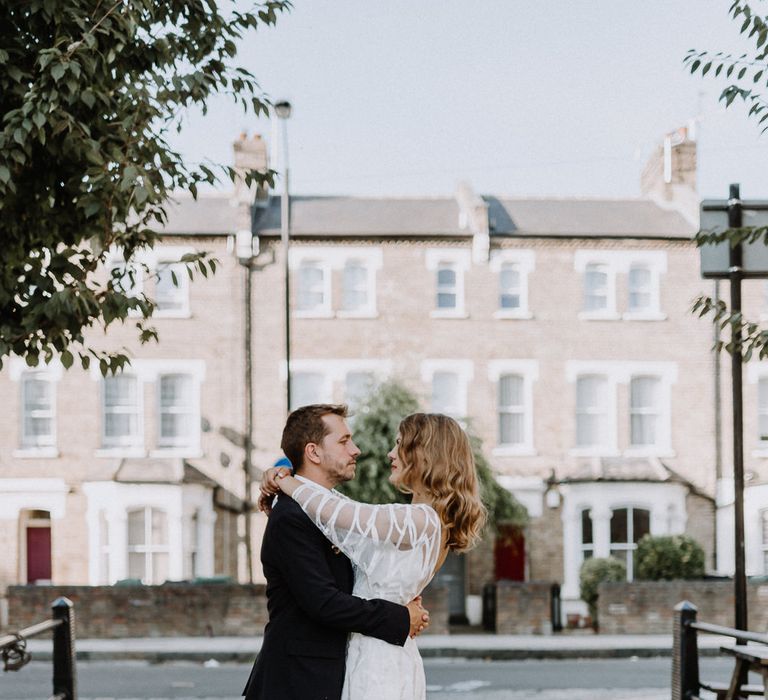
346, 630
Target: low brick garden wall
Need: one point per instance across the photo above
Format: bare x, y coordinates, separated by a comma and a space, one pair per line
646, 607
170, 610
523, 607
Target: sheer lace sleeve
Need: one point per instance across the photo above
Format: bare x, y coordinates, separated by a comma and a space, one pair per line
350, 524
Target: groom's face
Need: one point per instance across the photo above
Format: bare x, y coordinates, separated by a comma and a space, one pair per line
338, 452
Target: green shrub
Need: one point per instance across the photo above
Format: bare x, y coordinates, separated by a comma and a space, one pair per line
593, 572
667, 558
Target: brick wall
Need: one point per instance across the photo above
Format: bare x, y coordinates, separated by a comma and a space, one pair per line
435, 599
481, 564
544, 546
701, 526
170, 610
523, 608
645, 607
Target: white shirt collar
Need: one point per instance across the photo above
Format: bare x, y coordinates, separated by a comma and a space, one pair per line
304, 480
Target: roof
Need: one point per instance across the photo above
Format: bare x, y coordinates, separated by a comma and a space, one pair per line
627, 469
209, 214
366, 217
362, 216
160, 471
385, 217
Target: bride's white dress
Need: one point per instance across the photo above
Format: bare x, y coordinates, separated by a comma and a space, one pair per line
394, 550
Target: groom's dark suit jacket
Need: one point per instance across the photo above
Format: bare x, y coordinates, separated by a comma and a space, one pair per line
311, 612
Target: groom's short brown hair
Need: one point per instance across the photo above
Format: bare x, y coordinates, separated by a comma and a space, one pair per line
305, 425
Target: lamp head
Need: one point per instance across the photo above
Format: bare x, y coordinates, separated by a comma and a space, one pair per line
283, 109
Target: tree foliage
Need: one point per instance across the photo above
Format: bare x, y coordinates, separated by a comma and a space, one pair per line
375, 429
664, 558
89, 92
594, 572
746, 79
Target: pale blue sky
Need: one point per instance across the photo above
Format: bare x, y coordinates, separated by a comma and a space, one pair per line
563, 97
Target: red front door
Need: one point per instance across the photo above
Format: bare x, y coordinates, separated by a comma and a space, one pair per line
38, 554
510, 554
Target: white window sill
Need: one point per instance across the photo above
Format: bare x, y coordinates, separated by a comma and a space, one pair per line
652, 451
513, 314
594, 451
36, 453
357, 314
172, 314
320, 313
187, 452
514, 451
127, 451
644, 316
449, 313
599, 316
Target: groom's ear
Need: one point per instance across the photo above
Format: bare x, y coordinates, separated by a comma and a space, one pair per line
311, 453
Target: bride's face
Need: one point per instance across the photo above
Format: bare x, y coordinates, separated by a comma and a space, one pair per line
395, 463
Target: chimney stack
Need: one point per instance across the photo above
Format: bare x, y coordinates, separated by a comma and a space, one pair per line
669, 176
250, 154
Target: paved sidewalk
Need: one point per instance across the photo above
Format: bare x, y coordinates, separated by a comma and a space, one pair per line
484, 646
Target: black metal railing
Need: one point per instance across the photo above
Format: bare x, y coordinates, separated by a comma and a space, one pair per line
686, 682
13, 649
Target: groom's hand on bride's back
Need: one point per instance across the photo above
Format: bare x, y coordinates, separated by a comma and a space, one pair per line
419, 617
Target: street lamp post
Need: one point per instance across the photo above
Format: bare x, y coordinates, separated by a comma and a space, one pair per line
747, 260
283, 112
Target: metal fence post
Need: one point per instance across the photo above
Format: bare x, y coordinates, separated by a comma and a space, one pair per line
64, 669
685, 653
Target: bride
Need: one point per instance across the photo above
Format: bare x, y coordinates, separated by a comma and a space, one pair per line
396, 549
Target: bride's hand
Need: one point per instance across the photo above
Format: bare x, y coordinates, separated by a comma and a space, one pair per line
270, 486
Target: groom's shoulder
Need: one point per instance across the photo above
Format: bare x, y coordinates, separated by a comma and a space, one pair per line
286, 508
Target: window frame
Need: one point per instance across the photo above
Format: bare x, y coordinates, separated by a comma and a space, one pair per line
459, 261
138, 442
25, 441
529, 371
655, 411
193, 443
181, 291
525, 263
630, 546
604, 443
464, 371
148, 548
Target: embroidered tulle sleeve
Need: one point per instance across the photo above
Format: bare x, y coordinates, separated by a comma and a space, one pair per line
347, 523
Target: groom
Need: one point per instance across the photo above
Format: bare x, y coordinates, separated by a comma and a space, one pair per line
309, 582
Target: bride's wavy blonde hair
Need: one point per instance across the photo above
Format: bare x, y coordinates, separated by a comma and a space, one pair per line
437, 458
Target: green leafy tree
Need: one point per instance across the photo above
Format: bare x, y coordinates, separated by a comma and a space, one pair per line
669, 557
89, 92
375, 430
745, 78
594, 572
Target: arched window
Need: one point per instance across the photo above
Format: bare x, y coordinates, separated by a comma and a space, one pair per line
511, 410
510, 286
447, 286
311, 292
628, 525
596, 287
640, 286
591, 411
644, 411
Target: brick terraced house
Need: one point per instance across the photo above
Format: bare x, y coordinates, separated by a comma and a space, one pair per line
561, 329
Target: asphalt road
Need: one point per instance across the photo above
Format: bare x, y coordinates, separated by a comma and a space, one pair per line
447, 679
